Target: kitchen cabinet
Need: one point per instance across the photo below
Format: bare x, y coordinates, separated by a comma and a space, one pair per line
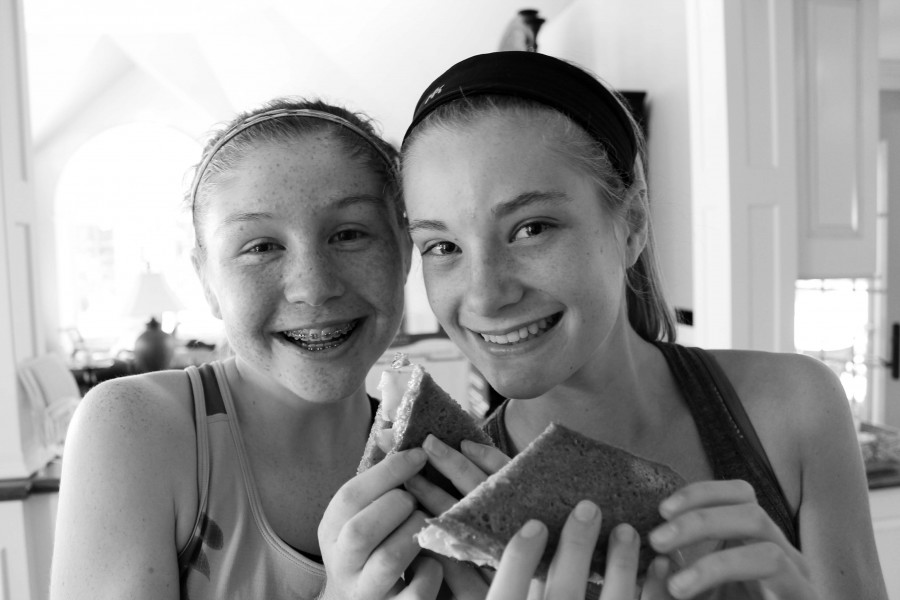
838, 137
885, 506
26, 543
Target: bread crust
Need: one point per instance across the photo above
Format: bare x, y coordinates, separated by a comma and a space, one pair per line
545, 481
425, 408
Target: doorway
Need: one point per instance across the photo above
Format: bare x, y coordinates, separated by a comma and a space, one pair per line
887, 387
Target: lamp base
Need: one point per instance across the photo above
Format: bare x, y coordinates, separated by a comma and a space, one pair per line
153, 349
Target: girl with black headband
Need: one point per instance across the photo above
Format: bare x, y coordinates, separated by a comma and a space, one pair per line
231, 480
526, 196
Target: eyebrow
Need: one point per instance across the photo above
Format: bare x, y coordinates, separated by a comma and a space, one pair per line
348, 201
503, 209
244, 217
345, 202
528, 199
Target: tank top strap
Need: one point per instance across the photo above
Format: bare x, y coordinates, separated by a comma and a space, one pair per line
207, 400
729, 439
494, 425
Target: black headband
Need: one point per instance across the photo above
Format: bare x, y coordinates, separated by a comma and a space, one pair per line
544, 79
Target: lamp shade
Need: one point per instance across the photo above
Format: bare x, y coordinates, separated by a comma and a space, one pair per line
153, 296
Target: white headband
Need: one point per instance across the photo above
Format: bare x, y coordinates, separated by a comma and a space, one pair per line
277, 114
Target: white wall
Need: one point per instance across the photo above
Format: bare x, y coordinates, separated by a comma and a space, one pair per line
641, 45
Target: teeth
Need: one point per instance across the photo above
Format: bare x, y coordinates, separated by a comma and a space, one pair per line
523, 333
320, 335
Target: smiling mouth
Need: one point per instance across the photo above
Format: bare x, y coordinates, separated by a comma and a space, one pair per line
316, 340
524, 333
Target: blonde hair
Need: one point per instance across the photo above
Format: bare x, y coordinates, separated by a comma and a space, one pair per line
227, 147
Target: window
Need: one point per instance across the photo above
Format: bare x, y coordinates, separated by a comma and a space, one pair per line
119, 212
833, 321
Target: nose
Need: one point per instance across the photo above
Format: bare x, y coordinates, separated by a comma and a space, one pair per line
491, 284
312, 277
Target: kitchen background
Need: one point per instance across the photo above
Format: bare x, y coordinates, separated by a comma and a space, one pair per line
774, 141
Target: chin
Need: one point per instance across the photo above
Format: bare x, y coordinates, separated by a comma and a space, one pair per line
516, 387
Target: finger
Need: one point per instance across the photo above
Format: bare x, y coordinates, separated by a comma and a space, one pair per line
487, 458
620, 578
536, 589
571, 564
392, 557
461, 471
465, 581
363, 489
735, 522
432, 497
517, 564
703, 494
425, 582
655, 587
760, 561
371, 526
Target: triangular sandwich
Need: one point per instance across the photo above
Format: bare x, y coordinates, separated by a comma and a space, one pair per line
414, 405
545, 481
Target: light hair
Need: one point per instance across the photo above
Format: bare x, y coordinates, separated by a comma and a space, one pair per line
229, 145
648, 311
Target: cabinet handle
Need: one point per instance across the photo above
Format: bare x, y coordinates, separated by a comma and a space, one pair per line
894, 363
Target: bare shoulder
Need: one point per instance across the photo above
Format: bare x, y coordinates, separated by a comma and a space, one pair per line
156, 408
773, 381
128, 484
139, 432
799, 411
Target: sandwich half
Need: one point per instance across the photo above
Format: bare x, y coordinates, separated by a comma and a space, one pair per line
545, 481
412, 406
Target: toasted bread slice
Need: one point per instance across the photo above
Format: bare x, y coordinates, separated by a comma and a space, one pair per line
545, 481
424, 408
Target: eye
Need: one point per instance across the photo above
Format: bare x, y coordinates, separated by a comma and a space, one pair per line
440, 249
263, 248
347, 235
529, 230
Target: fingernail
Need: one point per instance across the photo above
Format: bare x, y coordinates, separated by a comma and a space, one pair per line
471, 448
663, 534
531, 529
681, 582
625, 533
435, 446
670, 505
586, 511
416, 456
660, 567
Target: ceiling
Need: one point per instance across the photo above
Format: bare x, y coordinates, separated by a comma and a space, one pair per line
226, 55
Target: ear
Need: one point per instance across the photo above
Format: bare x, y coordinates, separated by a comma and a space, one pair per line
199, 263
638, 215
637, 241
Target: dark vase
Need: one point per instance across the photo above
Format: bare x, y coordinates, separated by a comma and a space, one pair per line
153, 349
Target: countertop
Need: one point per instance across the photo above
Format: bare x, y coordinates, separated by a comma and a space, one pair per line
883, 477
44, 481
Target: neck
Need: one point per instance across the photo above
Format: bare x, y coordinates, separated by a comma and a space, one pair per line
272, 414
622, 395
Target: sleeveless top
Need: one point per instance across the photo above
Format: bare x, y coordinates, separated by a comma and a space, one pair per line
232, 551
728, 437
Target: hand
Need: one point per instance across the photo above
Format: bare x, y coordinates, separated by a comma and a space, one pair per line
754, 549
366, 535
465, 470
570, 567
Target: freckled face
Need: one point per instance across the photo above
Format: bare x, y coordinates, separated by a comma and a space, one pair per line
305, 266
522, 264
